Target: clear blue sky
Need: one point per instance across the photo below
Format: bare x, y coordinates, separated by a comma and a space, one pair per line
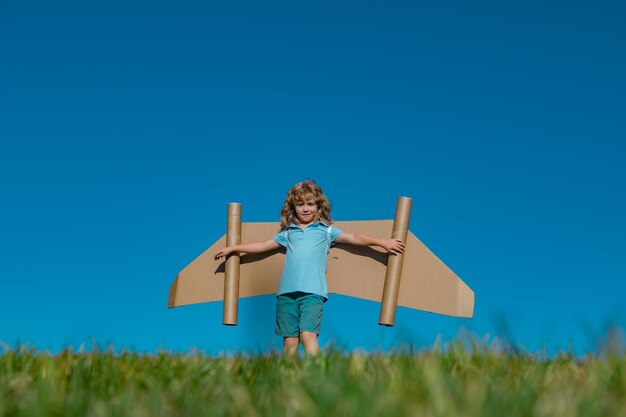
126, 128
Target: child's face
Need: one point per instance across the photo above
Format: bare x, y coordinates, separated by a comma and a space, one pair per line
306, 209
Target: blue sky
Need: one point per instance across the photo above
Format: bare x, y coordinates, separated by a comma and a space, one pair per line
126, 128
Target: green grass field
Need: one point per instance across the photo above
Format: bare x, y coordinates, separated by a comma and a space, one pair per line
455, 381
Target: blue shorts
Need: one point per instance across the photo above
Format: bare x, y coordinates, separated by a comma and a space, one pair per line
298, 312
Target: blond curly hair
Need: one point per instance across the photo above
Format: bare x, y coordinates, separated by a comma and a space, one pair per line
300, 192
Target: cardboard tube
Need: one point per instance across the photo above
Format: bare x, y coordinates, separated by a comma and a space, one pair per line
394, 264
231, 276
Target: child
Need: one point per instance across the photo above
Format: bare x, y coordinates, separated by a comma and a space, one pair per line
307, 234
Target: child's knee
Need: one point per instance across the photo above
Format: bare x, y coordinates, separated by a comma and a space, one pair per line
291, 342
308, 337
309, 341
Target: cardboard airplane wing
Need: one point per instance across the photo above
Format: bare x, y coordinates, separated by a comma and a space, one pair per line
425, 282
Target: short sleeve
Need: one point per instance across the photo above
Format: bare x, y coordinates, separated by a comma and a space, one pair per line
334, 232
281, 238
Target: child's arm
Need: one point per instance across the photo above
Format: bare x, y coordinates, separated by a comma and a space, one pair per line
255, 247
394, 246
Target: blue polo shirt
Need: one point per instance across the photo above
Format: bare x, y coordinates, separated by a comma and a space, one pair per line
305, 263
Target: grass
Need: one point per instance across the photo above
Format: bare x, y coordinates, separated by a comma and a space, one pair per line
458, 380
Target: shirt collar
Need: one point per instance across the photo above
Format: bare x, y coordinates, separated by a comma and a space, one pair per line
312, 224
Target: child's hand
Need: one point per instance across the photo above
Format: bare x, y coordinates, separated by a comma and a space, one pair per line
394, 246
223, 252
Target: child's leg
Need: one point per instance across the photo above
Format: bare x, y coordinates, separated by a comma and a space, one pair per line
287, 322
309, 341
290, 345
311, 307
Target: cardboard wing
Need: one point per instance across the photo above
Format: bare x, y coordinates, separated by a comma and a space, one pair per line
426, 282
